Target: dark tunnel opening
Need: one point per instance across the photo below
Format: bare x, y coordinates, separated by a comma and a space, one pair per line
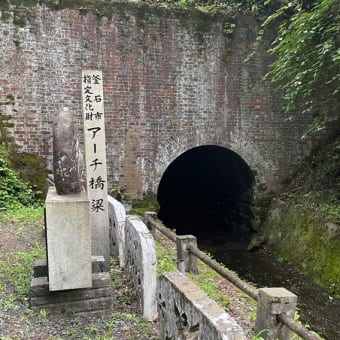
207, 191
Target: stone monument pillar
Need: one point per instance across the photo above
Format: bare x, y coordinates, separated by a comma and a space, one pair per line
65, 154
68, 231
95, 162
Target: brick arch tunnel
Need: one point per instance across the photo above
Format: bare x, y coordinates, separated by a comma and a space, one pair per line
207, 191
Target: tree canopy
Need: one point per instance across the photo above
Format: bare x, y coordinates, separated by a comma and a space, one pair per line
307, 65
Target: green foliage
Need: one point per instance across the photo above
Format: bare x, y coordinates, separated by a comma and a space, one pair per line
23, 215
308, 59
306, 239
138, 205
120, 194
22, 175
14, 193
317, 183
33, 170
165, 259
251, 5
205, 279
258, 335
17, 268
42, 314
147, 203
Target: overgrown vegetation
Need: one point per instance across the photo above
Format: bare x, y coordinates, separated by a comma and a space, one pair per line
14, 192
16, 263
147, 203
307, 65
249, 5
22, 175
103, 6
207, 279
318, 182
137, 206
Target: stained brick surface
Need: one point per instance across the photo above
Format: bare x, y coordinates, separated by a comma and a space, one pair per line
168, 87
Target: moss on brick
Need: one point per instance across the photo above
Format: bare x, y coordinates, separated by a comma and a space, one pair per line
307, 241
190, 18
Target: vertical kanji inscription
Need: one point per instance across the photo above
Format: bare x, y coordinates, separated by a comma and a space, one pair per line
95, 158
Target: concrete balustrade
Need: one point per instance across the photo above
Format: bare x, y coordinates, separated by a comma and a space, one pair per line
117, 218
184, 311
141, 263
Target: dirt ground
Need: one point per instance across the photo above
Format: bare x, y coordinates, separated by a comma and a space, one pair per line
18, 321
19, 238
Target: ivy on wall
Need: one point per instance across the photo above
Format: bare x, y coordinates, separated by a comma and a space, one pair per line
307, 65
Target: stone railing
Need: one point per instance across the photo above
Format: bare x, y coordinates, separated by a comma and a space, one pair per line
141, 263
117, 218
275, 306
133, 244
185, 312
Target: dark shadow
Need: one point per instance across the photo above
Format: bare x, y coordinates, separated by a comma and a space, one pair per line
208, 192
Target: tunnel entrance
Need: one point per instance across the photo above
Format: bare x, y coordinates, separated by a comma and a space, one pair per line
207, 191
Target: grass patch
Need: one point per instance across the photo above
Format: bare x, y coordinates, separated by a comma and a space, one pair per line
165, 258
206, 279
22, 214
16, 270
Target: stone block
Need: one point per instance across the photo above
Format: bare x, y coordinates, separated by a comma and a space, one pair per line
68, 236
97, 299
271, 302
40, 268
98, 264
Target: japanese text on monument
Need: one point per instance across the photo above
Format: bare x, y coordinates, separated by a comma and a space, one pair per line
94, 129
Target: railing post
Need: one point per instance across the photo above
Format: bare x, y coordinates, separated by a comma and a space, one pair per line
183, 255
147, 215
272, 302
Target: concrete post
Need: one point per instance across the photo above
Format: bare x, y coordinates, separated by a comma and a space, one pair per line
190, 261
271, 303
148, 224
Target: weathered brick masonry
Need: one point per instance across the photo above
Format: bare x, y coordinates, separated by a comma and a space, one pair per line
172, 82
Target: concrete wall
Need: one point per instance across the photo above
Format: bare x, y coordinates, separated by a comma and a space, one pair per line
117, 218
141, 263
172, 81
185, 312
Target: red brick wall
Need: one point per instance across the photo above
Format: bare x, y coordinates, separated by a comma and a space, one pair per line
169, 86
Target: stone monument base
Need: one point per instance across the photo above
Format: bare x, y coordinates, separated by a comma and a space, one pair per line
97, 299
68, 240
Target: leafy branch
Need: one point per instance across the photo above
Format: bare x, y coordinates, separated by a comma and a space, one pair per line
307, 65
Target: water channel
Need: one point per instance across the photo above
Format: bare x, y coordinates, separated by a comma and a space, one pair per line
317, 307
208, 191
